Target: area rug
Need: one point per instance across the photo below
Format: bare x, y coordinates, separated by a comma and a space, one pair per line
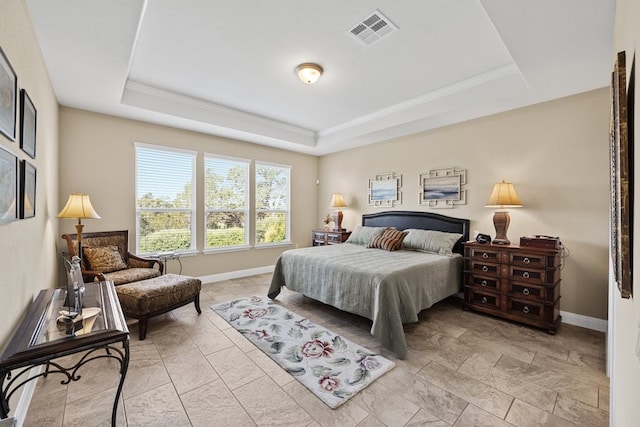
330, 366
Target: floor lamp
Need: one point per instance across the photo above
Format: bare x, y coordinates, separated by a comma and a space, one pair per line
78, 207
503, 196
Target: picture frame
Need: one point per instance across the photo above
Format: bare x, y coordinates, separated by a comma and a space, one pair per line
384, 190
28, 122
443, 188
27, 190
8, 98
8, 186
621, 164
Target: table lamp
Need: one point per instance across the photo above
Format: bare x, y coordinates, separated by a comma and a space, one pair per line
337, 202
503, 196
78, 207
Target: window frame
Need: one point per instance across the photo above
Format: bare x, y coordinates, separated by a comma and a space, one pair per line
287, 241
192, 211
247, 211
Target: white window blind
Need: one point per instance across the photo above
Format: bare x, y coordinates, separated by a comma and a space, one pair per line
165, 199
272, 203
226, 202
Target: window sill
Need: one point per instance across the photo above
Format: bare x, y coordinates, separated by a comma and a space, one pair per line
273, 245
209, 251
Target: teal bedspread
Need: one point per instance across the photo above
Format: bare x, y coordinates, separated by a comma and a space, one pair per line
389, 288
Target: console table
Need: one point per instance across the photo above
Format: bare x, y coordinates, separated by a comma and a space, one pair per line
39, 341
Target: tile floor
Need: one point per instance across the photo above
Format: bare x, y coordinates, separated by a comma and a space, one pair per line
463, 369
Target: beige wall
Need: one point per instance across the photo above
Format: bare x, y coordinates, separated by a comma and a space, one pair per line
28, 260
555, 153
625, 316
97, 157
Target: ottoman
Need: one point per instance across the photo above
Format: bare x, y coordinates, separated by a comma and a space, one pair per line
147, 298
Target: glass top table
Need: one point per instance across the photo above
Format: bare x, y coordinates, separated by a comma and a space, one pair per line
42, 337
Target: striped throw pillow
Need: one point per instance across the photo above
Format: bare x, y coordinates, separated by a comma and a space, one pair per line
390, 240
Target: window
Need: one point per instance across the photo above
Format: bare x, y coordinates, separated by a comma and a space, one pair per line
165, 199
226, 202
272, 203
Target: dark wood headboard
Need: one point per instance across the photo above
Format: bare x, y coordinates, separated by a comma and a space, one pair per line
402, 220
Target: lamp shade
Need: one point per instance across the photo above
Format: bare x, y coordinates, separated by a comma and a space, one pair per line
503, 195
337, 201
308, 72
78, 206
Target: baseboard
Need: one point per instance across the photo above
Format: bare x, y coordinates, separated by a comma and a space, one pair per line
236, 274
20, 412
584, 321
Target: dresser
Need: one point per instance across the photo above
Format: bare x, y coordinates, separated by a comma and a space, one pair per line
514, 282
328, 237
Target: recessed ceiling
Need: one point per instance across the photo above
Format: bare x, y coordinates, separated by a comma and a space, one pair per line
228, 67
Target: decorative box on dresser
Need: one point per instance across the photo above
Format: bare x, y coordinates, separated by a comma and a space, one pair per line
328, 237
519, 283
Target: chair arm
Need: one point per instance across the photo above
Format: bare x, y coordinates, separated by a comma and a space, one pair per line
139, 262
92, 275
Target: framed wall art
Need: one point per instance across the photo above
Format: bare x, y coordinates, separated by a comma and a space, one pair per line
8, 100
384, 190
621, 161
27, 189
443, 188
28, 116
8, 186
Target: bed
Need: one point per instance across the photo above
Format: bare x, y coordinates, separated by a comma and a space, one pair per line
388, 287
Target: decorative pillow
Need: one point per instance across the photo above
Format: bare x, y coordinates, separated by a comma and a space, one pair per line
389, 240
362, 235
104, 258
432, 241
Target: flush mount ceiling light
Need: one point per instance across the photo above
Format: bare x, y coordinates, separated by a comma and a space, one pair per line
309, 72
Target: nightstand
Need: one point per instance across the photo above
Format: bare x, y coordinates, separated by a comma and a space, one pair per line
514, 282
328, 237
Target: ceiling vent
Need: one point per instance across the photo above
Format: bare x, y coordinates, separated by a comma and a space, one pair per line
373, 28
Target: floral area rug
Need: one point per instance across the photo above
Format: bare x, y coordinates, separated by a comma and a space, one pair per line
332, 367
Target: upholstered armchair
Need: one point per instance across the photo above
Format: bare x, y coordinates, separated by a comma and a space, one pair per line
106, 256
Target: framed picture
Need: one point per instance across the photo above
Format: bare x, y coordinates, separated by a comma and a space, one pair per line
621, 161
27, 189
384, 190
28, 116
442, 188
8, 101
8, 186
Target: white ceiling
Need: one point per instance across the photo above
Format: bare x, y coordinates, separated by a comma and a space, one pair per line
226, 67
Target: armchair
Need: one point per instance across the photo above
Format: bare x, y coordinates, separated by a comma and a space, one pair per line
106, 256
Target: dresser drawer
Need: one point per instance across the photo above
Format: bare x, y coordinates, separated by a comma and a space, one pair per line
530, 275
483, 282
527, 291
482, 299
483, 268
318, 235
486, 254
525, 309
334, 237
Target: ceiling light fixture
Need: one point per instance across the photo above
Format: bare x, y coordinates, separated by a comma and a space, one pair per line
309, 72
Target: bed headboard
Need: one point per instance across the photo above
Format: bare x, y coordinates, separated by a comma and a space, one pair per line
423, 220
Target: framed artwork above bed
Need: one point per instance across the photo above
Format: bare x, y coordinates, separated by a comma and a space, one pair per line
443, 188
384, 190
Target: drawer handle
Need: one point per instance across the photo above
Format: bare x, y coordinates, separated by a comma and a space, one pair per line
525, 310
525, 274
484, 300
525, 291
485, 255
485, 268
483, 283
526, 260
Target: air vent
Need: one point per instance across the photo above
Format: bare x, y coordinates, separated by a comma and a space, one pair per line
373, 28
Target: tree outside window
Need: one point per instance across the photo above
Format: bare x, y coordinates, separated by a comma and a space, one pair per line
272, 203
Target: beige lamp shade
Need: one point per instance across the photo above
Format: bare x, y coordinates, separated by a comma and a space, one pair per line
503, 195
78, 206
337, 201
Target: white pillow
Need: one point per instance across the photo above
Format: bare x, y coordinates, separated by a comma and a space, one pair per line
432, 241
362, 235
